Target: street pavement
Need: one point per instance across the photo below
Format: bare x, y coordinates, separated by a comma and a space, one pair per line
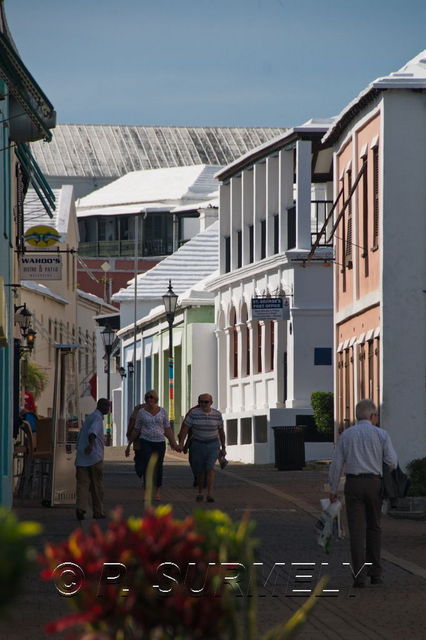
285, 506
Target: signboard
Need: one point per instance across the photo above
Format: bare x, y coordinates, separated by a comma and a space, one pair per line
270, 309
40, 267
42, 236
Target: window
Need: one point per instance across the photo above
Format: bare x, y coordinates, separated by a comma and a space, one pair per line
260, 429
323, 356
291, 227
234, 345
276, 233
251, 243
349, 238
365, 216
248, 351
271, 344
158, 234
227, 254
245, 430
262, 239
239, 250
232, 431
361, 358
375, 197
259, 348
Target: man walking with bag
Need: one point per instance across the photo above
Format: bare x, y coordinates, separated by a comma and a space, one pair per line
361, 451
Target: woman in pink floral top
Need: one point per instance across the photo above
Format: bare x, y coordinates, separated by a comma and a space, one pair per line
151, 427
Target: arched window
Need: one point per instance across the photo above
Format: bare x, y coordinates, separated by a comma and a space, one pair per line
271, 345
259, 348
234, 344
246, 352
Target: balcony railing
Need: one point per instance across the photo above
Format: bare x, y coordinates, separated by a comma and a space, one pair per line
319, 212
124, 248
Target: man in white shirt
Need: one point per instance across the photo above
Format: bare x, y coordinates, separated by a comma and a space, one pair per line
89, 461
361, 451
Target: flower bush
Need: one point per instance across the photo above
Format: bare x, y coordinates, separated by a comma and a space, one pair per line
15, 554
188, 598
156, 605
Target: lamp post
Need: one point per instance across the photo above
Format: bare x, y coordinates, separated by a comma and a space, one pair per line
108, 337
170, 300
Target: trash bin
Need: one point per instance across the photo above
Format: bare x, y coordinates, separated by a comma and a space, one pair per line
289, 448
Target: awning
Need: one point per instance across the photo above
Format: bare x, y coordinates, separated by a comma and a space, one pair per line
36, 177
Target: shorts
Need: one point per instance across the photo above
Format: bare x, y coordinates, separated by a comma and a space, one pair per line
204, 455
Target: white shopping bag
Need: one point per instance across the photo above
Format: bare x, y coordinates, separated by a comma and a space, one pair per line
327, 524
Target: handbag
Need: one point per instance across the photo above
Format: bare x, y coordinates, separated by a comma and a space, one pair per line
395, 483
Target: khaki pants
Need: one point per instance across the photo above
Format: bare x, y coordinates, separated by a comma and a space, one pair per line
90, 479
363, 508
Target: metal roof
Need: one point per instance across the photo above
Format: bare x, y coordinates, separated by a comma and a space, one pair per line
111, 151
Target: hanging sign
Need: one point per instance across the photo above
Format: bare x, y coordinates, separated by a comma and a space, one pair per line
42, 236
40, 267
270, 309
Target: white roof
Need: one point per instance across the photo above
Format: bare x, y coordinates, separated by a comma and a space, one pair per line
194, 261
95, 299
411, 76
138, 190
43, 290
197, 295
35, 213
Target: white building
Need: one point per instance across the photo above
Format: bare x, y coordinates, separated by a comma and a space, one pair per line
273, 201
144, 334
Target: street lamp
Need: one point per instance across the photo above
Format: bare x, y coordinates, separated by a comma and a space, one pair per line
170, 300
108, 337
23, 318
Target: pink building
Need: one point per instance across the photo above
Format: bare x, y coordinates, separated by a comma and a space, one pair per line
379, 231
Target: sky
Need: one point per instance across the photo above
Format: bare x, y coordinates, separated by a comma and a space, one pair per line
211, 62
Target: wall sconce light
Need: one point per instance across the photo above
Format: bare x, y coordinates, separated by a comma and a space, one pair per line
130, 368
122, 372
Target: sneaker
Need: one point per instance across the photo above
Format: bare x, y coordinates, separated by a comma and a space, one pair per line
199, 497
210, 499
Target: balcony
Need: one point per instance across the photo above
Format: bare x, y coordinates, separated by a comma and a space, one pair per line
124, 248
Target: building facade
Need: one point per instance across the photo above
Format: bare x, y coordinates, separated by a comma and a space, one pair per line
273, 201
26, 115
380, 273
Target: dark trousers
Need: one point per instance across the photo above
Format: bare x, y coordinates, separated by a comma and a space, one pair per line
143, 456
363, 508
90, 481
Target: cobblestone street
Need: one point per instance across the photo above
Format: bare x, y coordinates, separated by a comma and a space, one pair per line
284, 506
